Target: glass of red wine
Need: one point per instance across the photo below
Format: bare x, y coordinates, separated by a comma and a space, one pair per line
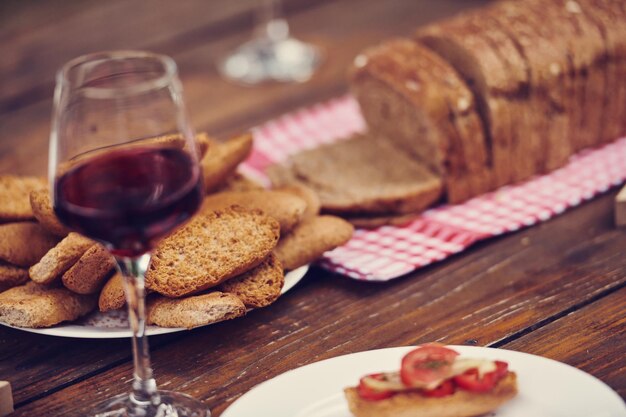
124, 171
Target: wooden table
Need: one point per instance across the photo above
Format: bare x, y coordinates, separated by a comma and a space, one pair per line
556, 290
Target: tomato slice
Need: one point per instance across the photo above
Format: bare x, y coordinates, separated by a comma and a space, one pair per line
368, 393
426, 364
502, 368
446, 388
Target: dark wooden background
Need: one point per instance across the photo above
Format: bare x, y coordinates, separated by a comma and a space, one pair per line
555, 290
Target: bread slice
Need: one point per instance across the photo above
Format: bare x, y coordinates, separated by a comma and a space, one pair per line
14, 196
311, 239
211, 248
33, 305
313, 203
41, 206
374, 221
460, 404
287, 208
60, 258
24, 244
12, 276
239, 182
89, 274
112, 296
194, 311
260, 286
363, 174
222, 158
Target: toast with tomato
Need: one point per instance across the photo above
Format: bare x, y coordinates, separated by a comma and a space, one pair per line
434, 382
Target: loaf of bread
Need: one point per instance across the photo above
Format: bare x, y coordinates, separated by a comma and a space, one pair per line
499, 94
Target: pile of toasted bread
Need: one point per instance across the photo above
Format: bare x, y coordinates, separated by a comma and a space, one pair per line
230, 257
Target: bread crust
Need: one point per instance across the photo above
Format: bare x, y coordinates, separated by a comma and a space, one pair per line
460, 404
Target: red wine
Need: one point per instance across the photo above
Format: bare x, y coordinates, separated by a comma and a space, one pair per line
129, 198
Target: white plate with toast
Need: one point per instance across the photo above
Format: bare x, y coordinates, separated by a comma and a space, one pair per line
547, 388
114, 324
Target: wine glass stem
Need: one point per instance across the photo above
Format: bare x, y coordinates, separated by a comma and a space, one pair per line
270, 23
144, 394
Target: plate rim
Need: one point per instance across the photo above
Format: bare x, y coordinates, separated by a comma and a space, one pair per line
67, 330
463, 350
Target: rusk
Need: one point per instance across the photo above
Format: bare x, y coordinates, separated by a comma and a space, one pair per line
42, 210
194, 311
112, 296
311, 239
14, 196
12, 276
88, 275
60, 258
24, 244
33, 305
222, 158
260, 286
213, 247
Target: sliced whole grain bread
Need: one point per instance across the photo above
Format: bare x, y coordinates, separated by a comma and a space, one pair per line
42, 210
213, 247
14, 196
12, 276
90, 272
287, 208
222, 158
24, 244
33, 305
311, 239
363, 174
60, 258
112, 296
194, 311
260, 286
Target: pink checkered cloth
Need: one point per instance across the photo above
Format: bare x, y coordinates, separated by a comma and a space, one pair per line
389, 252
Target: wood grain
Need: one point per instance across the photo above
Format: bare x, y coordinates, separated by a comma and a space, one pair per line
485, 296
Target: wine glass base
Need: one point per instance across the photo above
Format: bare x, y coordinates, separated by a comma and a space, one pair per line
264, 59
173, 404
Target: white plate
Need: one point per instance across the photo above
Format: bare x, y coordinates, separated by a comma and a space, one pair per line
546, 388
114, 324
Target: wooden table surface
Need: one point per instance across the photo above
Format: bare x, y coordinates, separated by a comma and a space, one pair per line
556, 289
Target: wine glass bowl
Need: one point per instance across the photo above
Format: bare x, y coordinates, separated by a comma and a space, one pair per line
124, 171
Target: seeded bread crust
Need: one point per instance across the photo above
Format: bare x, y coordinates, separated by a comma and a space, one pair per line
311, 239
260, 286
24, 244
89, 274
33, 305
222, 158
60, 258
460, 404
211, 248
286, 208
194, 311
14, 196
41, 206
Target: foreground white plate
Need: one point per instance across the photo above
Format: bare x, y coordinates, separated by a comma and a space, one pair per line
546, 388
114, 324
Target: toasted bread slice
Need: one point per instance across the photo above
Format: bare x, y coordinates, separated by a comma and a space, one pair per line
112, 296
313, 203
310, 239
42, 210
364, 174
60, 258
211, 248
14, 196
288, 209
89, 274
24, 244
460, 404
260, 286
12, 276
374, 221
239, 182
222, 158
33, 305
194, 311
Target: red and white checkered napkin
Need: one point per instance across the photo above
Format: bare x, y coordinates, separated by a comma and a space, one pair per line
389, 252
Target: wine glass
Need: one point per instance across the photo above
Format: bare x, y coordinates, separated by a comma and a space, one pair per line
124, 171
272, 55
